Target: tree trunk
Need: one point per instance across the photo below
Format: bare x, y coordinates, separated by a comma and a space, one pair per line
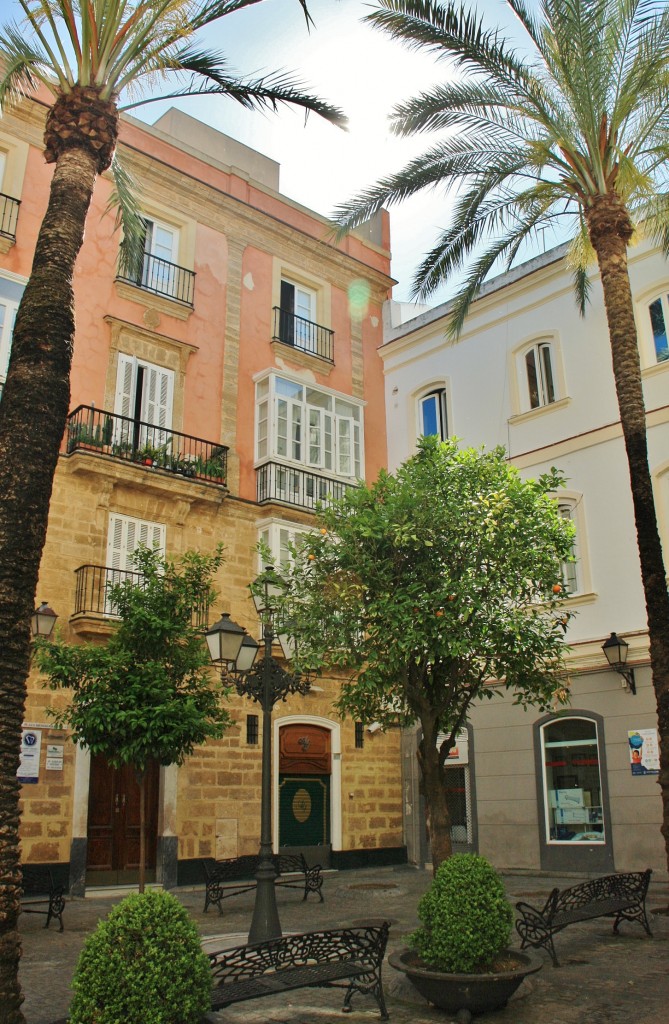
610, 231
33, 412
141, 779
434, 791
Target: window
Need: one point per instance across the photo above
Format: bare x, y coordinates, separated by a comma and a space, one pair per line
252, 730
278, 537
307, 426
10, 296
540, 378
432, 414
298, 309
124, 536
658, 310
570, 575
573, 799
144, 395
359, 735
7, 317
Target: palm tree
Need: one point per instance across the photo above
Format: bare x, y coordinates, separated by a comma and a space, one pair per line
89, 56
577, 128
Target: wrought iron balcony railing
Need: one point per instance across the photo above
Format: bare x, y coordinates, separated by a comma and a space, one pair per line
160, 277
92, 592
9, 213
90, 429
292, 486
303, 334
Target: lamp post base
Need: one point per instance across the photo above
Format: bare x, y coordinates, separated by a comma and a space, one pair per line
265, 923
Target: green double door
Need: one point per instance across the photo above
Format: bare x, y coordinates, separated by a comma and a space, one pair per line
304, 810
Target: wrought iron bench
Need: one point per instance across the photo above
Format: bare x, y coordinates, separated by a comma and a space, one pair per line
349, 958
39, 888
622, 897
226, 878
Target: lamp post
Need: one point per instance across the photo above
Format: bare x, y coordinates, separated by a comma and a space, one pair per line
266, 683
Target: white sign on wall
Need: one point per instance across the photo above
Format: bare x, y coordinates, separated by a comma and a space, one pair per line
31, 747
54, 757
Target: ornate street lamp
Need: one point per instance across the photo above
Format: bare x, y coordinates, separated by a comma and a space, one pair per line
42, 621
616, 650
267, 683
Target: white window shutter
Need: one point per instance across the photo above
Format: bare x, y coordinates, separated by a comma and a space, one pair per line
157, 396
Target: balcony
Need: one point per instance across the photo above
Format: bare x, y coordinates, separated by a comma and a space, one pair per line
303, 335
9, 213
291, 486
94, 430
160, 277
93, 583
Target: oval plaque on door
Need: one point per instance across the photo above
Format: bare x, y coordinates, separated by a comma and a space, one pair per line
301, 805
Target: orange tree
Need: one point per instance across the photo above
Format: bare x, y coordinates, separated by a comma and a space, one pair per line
436, 587
573, 128
91, 57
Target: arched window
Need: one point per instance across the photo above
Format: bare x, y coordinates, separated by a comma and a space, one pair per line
432, 418
573, 801
658, 311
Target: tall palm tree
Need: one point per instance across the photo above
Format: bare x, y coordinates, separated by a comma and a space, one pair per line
577, 128
89, 56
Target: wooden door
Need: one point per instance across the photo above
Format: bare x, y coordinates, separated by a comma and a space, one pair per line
304, 786
114, 824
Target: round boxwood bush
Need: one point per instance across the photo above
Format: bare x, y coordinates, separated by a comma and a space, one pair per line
143, 964
466, 917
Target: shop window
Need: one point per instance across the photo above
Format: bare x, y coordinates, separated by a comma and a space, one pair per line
573, 800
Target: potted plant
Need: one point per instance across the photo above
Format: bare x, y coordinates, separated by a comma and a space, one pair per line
458, 959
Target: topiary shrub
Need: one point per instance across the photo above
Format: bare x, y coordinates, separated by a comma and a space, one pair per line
143, 964
466, 917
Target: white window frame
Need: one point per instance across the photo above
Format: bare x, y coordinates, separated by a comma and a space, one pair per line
571, 576
438, 395
662, 296
124, 535
277, 534
157, 413
6, 331
286, 426
546, 384
546, 800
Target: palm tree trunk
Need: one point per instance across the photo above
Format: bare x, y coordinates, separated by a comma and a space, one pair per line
610, 231
33, 412
434, 792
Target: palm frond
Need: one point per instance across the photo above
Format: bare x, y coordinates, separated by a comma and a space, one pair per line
125, 203
23, 67
580, 256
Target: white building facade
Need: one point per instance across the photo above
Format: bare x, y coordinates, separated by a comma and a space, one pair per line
578, 791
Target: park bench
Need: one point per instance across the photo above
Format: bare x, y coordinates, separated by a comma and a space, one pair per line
226, 878
40, 895
620, 896
349, 958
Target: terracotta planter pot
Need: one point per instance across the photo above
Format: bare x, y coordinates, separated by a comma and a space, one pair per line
464, 994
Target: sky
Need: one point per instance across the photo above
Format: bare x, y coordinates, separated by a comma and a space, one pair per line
351, 65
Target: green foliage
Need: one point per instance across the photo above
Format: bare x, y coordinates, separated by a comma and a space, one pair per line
143, 964
147, 694
434, 582
466, 917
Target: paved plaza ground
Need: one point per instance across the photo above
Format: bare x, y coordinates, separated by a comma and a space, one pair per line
604, 979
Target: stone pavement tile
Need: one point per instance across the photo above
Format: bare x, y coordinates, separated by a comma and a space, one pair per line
605, 979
